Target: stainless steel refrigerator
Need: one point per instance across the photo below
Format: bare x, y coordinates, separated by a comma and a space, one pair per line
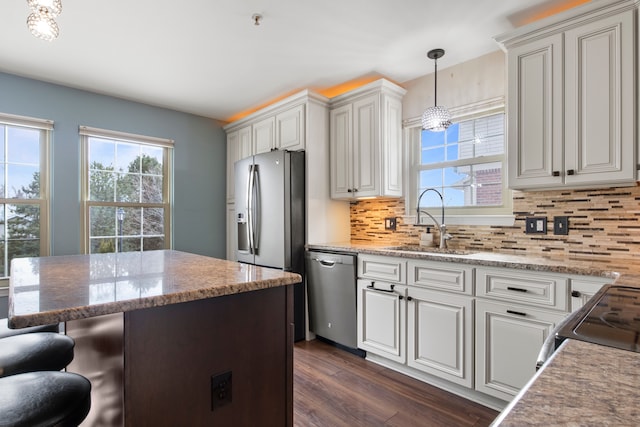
270, 217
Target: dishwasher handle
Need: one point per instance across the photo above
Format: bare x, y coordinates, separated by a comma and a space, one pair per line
327, 262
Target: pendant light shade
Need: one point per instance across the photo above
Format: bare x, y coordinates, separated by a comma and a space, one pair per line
41, 21
436, 118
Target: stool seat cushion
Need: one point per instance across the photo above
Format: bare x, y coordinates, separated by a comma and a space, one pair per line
42, 351
39, 399
5, 331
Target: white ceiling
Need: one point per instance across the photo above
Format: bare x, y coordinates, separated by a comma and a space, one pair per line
206, 57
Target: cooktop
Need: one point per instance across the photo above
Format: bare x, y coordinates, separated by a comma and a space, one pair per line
611, 318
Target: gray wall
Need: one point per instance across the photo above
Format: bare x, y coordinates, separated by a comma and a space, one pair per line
199, 158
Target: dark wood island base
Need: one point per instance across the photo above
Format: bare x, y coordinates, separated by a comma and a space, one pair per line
154, 367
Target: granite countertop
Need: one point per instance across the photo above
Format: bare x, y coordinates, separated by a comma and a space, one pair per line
487, 259
60, 288
583, 384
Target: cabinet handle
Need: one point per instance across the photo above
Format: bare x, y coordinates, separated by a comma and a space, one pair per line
576, 294
355, 190
511, 288
556, 173
349, 190
409, 298
400, 297
373, 288
519, 313
571, 172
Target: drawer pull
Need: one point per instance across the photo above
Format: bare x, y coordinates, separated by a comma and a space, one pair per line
518, 313
556, 173
576, 294
373, 288
511, 288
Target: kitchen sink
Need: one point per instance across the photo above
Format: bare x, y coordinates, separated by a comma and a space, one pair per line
430, 249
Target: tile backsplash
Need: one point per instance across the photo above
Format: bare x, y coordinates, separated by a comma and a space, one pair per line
604, 225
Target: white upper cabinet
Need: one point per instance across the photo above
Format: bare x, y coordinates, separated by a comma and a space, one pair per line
571, 99
238, 147
290, 129
264, 135
366, 142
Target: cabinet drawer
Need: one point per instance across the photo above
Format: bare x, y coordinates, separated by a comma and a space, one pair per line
443, 276
515, 286
382, 268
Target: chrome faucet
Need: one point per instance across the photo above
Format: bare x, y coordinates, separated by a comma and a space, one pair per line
444, 236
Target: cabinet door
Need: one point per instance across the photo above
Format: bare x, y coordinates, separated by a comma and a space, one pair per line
508, 340
238, 147
341, 142
290, 133
232, 148
366, 146
264, 135
381, 319
440, 335
583, 290
232, 237
600, 101
535, 146
391, 146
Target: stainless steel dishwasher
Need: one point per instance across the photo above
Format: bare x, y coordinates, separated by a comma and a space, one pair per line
331, 283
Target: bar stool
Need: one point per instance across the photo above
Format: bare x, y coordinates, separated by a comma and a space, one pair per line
41, 351
6, 331
44, 399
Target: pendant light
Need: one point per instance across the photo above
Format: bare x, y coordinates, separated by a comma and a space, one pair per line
436, 118
41, 21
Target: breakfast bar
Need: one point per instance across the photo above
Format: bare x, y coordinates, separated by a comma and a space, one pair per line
158, 332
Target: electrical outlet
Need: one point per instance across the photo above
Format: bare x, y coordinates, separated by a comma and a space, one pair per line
536, 225
221, 388
560, 225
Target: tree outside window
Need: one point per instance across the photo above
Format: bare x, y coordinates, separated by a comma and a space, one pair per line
127, 196
23, 196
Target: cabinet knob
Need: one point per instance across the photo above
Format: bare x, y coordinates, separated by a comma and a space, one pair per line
556, 173
349, 190
355, 190
576, 294
571, 172
409, 299
400, 297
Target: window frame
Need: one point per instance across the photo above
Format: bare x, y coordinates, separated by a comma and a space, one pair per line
469, 215
85, 133
46, 126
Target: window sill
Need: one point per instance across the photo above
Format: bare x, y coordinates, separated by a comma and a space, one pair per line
491, 220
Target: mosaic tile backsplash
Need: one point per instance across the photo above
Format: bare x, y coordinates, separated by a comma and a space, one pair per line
604, 225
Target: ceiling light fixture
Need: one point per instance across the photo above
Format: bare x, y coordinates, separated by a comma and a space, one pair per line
436, 118
40, 22
257, 19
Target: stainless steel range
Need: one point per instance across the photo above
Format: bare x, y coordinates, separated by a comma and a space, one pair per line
611, 318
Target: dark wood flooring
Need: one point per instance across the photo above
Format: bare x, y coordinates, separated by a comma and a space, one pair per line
335, 388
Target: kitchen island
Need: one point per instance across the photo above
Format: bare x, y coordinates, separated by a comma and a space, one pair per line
157, 331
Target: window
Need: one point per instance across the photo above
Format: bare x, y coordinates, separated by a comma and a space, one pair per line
126, 191
465, 164
24, 144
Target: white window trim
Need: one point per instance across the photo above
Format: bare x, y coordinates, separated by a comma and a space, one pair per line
46, 125
498, 216
85, 132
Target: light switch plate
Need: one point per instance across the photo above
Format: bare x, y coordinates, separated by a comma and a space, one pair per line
390, 224
536, 225
561, 225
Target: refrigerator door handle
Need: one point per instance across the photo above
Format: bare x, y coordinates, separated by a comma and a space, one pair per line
257, 214
250, 207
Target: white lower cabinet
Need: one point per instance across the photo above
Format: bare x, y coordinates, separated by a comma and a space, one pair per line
440, 334
381, 319
508, 339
